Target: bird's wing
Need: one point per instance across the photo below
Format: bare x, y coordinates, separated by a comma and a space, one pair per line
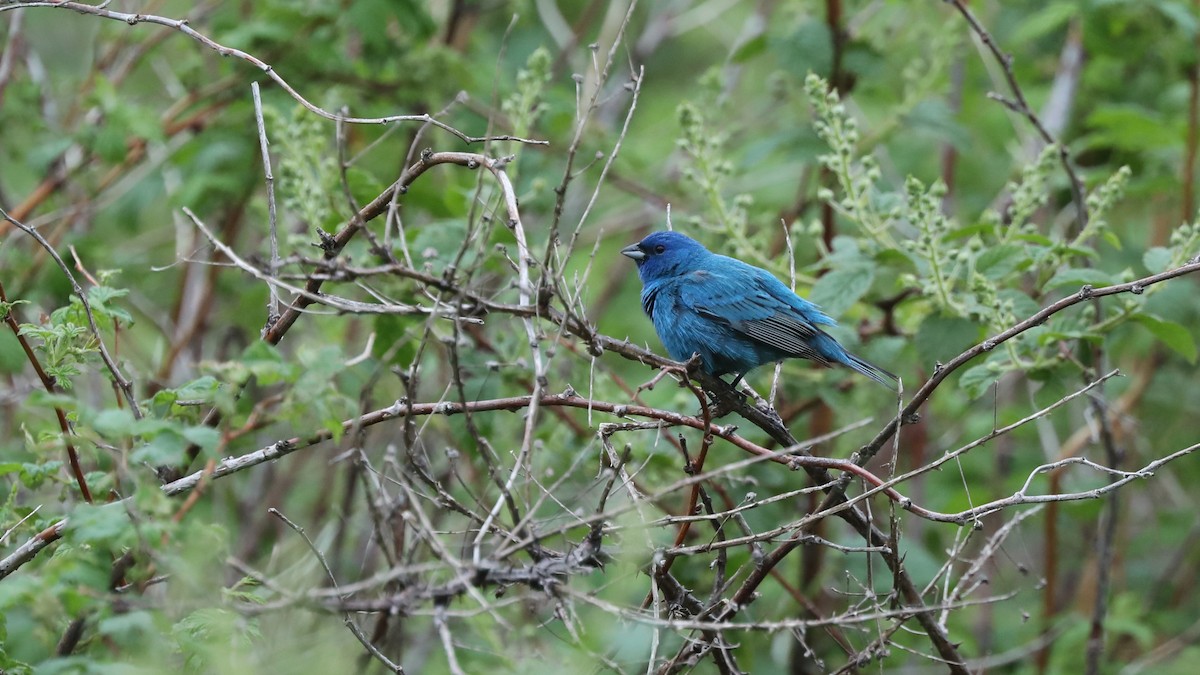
739, 299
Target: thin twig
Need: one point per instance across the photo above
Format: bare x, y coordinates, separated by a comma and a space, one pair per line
370, 647
273, 231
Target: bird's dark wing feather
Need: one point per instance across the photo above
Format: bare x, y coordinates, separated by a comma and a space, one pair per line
785, 333
739, 301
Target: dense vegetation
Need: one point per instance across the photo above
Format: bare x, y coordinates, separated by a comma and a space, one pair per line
386, 398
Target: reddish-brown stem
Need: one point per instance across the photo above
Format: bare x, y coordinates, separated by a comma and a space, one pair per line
51, 386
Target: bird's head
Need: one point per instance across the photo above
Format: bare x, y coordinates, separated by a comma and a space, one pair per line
665, 254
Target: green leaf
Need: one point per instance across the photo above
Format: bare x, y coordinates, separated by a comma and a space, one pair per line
265, 363
164, 398
363, 184
1000, 261
1082, 276
393, 330
1081, 251
1157, 259
109, 143
205, 437
8, 664
1129, 127
1050, 18
204, 632
1022, 304
129, 627
808, 48
202, 388
1035, 238
846, 252
1180, 14
151, 426
113, 423
12, 356
942, 337
750, 48
72, 665
1050, 336
34, 475
967, 231
42, 154
99, 524
1172, 334
164, 449
936, 116
976, 381
40, 398
838, 290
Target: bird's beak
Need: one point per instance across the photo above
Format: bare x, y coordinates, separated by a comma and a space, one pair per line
632, 251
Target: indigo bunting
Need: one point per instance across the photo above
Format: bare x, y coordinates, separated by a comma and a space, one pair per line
734, 315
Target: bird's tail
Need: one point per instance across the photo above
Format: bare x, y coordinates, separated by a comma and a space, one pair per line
873, 371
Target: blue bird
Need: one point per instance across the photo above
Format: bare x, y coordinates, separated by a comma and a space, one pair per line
734, 315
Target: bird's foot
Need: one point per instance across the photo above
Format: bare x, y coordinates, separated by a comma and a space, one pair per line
724, 402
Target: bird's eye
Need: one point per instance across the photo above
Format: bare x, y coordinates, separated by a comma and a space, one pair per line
660, 248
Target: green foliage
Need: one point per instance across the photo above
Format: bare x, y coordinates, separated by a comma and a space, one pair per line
63, 345
523, 106
205, 636
973, 272
307, 173
710, 171
856, 176
867, 166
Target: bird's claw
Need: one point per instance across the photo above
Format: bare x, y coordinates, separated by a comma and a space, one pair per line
724, 402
